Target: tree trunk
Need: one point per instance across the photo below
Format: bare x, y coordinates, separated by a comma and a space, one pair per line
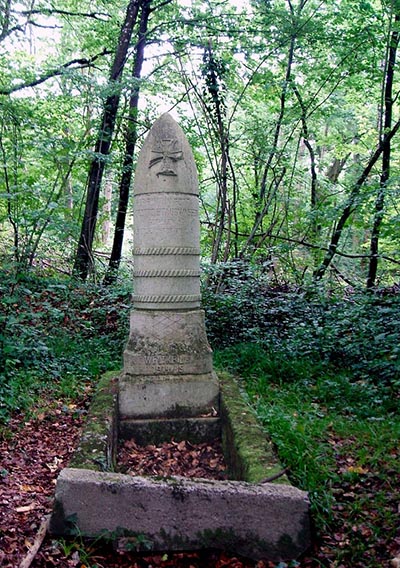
385, 173
131, 138
351, 203
265, 199
105, 227
83, 259
213, 75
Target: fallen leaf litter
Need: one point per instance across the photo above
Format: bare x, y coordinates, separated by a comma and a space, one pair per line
182, 458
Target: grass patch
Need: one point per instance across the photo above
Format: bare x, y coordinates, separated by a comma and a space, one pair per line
338, 437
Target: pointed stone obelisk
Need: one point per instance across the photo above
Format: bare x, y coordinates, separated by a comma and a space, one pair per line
168, 370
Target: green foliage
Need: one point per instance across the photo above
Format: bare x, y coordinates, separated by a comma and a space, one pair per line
304, 406
302, 329
231, 294
318, 370
293, 87
55, 336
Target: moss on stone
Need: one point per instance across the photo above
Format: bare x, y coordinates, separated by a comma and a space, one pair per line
249, 545
97, 445
247, 450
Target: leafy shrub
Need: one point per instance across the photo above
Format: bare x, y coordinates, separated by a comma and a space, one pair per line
298, 327
55, 335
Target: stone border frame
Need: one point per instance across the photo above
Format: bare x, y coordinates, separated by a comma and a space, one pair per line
243, 515
248, 452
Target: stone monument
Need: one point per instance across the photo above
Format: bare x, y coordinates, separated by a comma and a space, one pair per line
168, 371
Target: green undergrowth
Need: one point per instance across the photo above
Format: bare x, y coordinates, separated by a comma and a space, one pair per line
56, 336
330, 428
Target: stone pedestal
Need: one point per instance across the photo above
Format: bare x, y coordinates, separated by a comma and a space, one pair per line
167, 362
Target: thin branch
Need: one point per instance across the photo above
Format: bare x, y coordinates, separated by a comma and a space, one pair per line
52, 12
8, 31
29, 558
165, 3
44, 27
304, 243
82, 63
351, 202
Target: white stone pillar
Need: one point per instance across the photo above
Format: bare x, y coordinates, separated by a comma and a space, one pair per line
167, 362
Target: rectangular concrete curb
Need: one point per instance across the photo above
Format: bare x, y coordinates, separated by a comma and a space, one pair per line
247, 450
261, 521
99, 439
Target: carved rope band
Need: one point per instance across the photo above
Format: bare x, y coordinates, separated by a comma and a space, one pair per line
167, 299
166, 273
167, 250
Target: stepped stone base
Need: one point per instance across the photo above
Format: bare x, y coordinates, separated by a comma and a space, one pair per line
156, 431
168, 369
167, 343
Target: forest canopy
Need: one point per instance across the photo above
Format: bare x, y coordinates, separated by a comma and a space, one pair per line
290, 106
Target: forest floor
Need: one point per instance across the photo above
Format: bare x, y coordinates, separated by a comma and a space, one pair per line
33, 452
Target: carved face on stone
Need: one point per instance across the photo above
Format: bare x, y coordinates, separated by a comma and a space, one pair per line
166, 153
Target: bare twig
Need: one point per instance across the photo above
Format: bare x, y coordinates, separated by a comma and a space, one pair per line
273, 477
27, 561
79, 62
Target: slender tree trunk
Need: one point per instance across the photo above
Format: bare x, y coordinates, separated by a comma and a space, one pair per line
265, 200
336, 168
217, 112
222, 208
105, 227
385, 173
351, 203
83, 259
131, 138
313, 169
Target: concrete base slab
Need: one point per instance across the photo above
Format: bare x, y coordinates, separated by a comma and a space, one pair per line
168, 396
261, 521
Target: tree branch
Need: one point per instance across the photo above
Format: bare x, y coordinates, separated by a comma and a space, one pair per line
350, 206
165, 3
81, 62
304, 243
51, 12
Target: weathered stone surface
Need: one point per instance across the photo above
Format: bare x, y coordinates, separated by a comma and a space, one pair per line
168, 396
165, 343
167, 333
156, 431
247, 450
261, 521
166, 221
98, 442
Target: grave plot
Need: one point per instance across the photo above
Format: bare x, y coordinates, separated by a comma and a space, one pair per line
168, 390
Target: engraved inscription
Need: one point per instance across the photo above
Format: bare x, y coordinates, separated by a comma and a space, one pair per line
167, 152
166, 218
167, 363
